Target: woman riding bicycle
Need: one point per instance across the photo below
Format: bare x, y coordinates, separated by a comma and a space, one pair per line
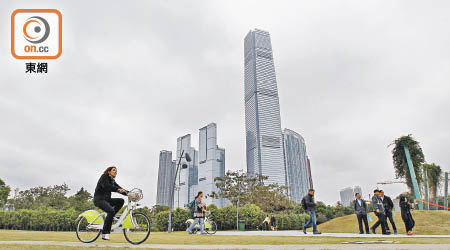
102, 198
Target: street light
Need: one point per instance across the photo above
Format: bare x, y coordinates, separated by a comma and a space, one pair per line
172, 193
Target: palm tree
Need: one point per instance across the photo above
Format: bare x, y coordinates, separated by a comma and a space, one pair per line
434, 174
399, 159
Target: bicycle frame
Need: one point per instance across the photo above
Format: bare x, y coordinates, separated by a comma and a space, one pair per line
126, 219
207, 224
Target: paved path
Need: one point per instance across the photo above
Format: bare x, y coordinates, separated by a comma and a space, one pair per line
253, 247
342, 235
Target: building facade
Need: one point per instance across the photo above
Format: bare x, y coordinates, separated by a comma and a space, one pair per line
347, 196
186, 179
264, 149
166, 174
211, 163
296, 164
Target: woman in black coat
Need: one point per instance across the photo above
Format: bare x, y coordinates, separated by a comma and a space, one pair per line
102, 198
407, 218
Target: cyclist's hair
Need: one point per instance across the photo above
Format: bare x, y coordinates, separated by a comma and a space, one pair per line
198, 194
109, 169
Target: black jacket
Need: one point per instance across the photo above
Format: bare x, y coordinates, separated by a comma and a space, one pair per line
309, 200
387, 203
105, 186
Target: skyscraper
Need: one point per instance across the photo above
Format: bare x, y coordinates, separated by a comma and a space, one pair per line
296, 163
310, 175
186, 179
211, 163
262, 109
347, 195
166, 174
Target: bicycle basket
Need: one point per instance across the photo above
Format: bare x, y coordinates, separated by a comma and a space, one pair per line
135, 194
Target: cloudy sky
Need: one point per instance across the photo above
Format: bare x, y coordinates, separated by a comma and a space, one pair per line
135, 75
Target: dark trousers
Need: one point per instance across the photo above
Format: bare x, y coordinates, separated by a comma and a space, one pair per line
391, 219
111, 207
362, 217
381, 221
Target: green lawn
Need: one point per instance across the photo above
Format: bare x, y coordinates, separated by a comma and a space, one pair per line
183, 238
427, 222
47, 247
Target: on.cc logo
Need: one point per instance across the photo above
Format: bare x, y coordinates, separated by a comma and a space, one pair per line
36, 29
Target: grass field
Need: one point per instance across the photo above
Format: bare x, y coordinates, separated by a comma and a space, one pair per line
183, 238
427, 222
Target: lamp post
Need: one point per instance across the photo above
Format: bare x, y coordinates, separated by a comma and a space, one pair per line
172, 191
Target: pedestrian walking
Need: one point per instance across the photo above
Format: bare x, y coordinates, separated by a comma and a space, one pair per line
378, 208
309, 205
199, 214
360, 208
388, 207
405, 208
273, 223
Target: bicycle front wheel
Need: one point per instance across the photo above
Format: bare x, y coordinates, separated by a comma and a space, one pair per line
85, 232
140, 231
212, 228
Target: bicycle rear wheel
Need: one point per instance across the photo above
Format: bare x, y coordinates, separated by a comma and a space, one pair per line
212, 228
85, 233
140, 233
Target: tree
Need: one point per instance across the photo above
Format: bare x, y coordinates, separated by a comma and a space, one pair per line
4, 193
41, 197
239, 186
81, 201
400, 163
434, 174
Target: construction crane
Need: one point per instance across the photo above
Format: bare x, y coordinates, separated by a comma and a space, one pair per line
391, 182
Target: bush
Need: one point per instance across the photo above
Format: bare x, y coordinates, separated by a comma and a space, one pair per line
179, 217
42, 220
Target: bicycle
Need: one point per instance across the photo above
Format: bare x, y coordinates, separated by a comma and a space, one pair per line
210, 226
135, 225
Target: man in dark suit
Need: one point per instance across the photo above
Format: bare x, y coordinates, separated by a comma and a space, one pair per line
388, 206
361, 210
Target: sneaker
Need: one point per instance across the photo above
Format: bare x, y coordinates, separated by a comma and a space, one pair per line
105, 236
304, 230
189, 231
317, 232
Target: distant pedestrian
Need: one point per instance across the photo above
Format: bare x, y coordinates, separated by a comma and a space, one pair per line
388, 207
310, 206
199, 214
361, 210
266, 222
378, 208
405, 208
273, 223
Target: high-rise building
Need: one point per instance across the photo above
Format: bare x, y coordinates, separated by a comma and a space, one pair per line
186, 179
347, 196
310, 175
262, 109
296, 163
211, 163
166, 174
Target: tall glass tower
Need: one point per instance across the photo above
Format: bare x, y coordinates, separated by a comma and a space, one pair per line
296, 162
166, 174
262, 109
211, 164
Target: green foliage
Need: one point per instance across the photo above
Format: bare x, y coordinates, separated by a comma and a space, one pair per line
226, 218
252, 214
158, 208
238, 186
42, 219
4, 193
400, 163
179, 217
434, 174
